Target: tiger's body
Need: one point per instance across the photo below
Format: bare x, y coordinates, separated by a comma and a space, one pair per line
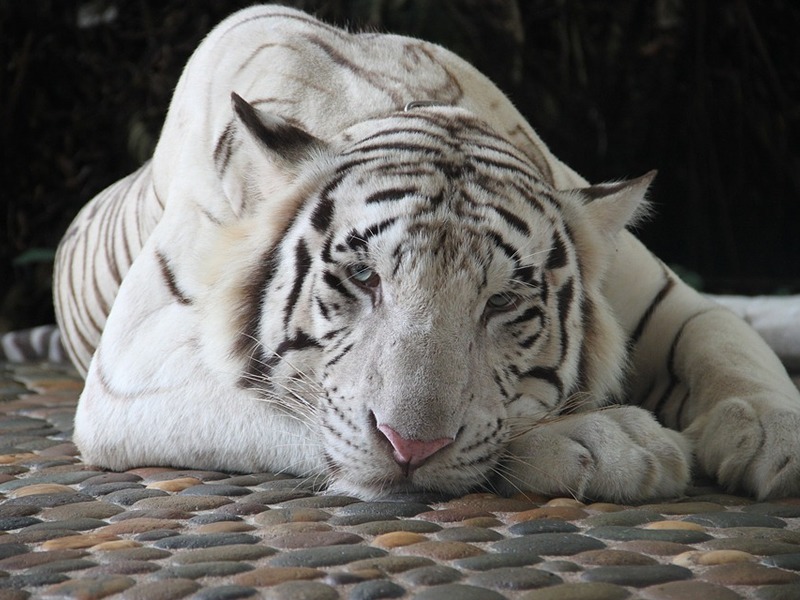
308, 278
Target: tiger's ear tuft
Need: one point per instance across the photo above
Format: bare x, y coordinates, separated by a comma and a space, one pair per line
613, 206
267, 160
281, 140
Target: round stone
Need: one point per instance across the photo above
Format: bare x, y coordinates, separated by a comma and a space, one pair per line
139, 525
542, 526
225, 592
215, 517
459, 591
215, 489
789, 591
681, 590
388, 564
233, 552
204, 569
301, 590
101, 489
313, 539
684, 508
625, 518
441, 550
326, 556
156, 513
736, 519
168, 589
73, 524
496, 560
514, 578
561, 513
468, 534
205, 541
319, 502
97, 587
277, 496
757, 547
409, 525
129, 497
684, 525
549, 544
637, 576
748, 574
174, 485
185, 503
654, 547
122, 567
783, 511
608, 557
432, 575
619, 533
579, 591
376, 589
453, 515
379, 511
713, 557
279, 516
268, 576
784, 561
104, 478
74, 542
395, 539
224, 527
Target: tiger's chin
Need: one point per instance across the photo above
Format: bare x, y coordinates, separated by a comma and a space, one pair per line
383, 484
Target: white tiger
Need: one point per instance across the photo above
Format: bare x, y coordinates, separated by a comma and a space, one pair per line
322, 275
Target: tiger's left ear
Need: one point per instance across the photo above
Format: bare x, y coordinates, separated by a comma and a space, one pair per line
272, 153
613, 206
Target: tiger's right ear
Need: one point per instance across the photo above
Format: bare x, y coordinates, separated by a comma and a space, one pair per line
269, 159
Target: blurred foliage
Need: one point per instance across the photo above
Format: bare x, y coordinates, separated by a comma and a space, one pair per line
707, 91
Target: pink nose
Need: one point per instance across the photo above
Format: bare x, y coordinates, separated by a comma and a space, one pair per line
412, 452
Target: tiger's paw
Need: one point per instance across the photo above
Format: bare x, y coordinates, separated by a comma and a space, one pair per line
619, 454
747, 447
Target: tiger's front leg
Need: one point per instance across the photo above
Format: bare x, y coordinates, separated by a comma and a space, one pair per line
703, 371
741, 409
618, 454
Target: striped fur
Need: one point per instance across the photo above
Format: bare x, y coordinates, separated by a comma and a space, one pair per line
309, 278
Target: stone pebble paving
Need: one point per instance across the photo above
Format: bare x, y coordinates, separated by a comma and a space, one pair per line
71, 530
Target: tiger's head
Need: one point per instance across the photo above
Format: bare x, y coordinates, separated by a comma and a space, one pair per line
413, 290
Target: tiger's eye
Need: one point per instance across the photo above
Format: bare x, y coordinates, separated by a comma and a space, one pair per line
364, 276
501, 302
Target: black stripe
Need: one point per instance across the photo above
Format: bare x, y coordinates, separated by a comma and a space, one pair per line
648, 313
557, 258
334, 282
169, 280
513, 220
548, 374
359, 240
249, 312
224, 148
391, 194
673, 376
394, 147
531, 313
564, 297
302, 261
498, 241
339, 356
322, 215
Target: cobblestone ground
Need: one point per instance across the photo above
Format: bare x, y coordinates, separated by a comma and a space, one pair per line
75, 531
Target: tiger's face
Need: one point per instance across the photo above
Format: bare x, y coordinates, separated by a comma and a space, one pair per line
424, 300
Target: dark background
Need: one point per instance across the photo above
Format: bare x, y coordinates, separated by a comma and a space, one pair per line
706, 91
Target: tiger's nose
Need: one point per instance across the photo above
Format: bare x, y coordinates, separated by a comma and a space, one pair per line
412, 453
